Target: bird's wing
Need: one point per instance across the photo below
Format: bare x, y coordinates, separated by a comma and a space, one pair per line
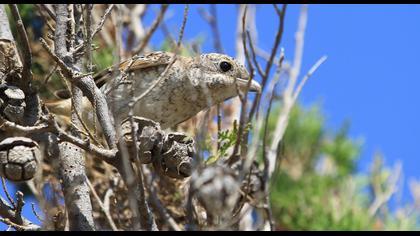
134, 64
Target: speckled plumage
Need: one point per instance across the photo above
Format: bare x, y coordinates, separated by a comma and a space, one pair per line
191, 85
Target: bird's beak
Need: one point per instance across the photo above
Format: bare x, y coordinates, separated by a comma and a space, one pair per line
243, 84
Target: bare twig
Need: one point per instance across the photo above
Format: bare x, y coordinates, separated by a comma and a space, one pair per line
53, 127
48, 10
212, 21
154, 198
102, 21
88, 37
383, 196
47, 78
144, 41
243, 97
170, 64
44, 17
12, 216
3, 184
19, 227
290, 92
19, 205
26, 49
254, 57
139, 219
267, 114
181, 31
35, 213
104, 208
144, 207
277, 41
307, 76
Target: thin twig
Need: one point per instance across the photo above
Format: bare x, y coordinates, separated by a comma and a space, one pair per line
254, 57
3, 183
170, 64
154, 198
49, 11
288, 95
44, 17
102, 21
19, 206
79, 117
144, 41
47, 78
102, 206
268, 112
307, 76
277, 41
53, 127
23, 38
35, 213
19, 227
243, 97
124, 166
181, 31
212, 21
12, 216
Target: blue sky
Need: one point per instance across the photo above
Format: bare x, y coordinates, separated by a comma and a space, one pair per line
371, 76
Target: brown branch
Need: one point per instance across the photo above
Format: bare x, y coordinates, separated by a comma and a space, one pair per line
23, 38
52, 126
44, 17
212, 21
6, 192
104, 208
102, 21
181, 31
48, 10
157, 204
35, 213
139, 49
277, 41
268, 112
12, 215
254, 57
243, 97
19, 227
19, 206
88, 37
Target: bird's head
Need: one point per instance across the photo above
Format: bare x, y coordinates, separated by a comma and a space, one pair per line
220, 77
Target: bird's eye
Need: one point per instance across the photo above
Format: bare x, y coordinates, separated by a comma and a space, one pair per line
225, 66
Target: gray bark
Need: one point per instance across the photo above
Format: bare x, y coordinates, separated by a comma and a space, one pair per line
71, 158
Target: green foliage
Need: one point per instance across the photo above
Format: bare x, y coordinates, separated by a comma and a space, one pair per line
103, 57
316, 187
227, 139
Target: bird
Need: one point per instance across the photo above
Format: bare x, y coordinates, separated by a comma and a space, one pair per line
167, 88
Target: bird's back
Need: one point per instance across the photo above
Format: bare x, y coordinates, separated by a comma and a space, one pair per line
163, 97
